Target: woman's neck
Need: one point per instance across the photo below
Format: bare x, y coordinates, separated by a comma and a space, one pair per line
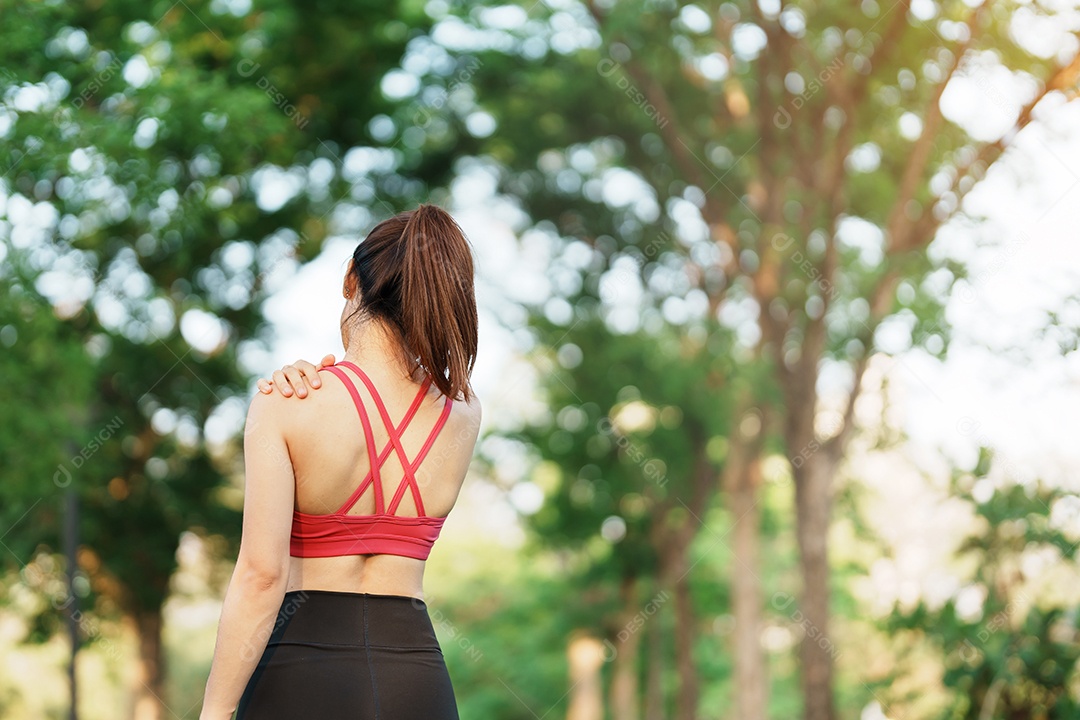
370, 345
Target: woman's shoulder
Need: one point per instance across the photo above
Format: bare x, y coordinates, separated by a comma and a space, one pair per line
469, 413
289, 412
265, 413
474, 399
469, 407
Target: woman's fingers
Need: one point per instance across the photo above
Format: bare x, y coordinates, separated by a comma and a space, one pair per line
295, 376
309, 372
282, 383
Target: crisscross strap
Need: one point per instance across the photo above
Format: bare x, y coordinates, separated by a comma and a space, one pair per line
369, 437
347, 505
409, 468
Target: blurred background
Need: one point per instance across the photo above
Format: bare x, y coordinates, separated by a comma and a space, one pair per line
779, 318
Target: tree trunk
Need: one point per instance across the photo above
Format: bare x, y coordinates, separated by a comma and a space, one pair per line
654, 672
686, 702
751, 696
149, 690
585, 655
624, 676
816, 652
672, 533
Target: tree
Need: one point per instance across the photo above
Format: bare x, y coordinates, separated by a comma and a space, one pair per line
163, 167
1016, 655
629, 456
800, 159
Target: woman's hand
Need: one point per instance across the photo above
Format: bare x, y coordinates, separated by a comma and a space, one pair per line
295, 377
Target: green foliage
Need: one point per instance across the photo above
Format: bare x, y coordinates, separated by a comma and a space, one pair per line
152, 133
1018, 657
506, 648
48, 381
678, 398
156, 128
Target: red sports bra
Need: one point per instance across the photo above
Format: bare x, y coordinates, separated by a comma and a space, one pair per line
383, 533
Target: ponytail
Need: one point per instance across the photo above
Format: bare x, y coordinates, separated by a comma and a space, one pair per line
415, 271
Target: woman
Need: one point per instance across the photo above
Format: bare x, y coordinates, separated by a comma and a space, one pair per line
346, 492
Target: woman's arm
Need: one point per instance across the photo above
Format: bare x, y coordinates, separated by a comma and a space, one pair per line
257, 586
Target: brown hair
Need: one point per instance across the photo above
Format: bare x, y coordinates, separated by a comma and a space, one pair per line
415, 272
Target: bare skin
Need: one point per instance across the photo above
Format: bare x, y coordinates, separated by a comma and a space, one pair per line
329, 457
310, 456
298, 379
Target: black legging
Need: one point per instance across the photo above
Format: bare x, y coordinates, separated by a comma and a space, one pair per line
350, 655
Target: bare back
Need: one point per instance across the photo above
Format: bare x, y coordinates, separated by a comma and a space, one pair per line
330, 460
